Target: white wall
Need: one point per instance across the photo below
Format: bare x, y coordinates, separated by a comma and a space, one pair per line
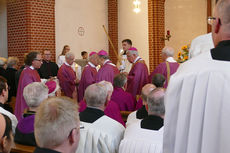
90, 14
186, 20
134, 26
3, 29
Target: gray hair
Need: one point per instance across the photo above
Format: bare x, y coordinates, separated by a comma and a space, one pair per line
132, 52
155, 101
107, 85
3, 61
12, 61
34, 93
119, 80
69, 55
54, 120
95, 95
104, 57
168, 51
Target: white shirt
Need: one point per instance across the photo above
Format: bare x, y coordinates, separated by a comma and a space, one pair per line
138, 140
102, 136
201, 44
12, 118
198, 108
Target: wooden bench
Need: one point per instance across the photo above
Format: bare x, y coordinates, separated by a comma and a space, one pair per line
125, 115
18, 148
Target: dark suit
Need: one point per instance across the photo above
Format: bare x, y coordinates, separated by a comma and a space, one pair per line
48, 69
90, 115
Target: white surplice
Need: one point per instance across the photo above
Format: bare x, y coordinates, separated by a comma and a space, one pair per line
198, 107
132, 118
201, 44
138, 140
102, 136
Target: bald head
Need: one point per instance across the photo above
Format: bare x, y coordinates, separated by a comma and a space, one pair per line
155, 101
221, 26
3, 126
146, 90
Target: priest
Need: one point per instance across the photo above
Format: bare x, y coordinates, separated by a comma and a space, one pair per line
67, 77
108, 70
88, 75
197, 99
29, 74
168, 67
138, 75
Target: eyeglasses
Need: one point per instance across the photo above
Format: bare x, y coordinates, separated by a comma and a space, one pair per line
211, 20
40, 60
81, 127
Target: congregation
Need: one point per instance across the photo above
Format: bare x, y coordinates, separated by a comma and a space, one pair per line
76, 108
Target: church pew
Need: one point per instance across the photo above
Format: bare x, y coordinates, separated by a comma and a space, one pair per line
125, 115
18, 148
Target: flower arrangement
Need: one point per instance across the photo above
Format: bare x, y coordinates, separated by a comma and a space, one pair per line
182, 56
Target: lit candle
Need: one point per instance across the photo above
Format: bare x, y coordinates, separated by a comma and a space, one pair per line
168, 32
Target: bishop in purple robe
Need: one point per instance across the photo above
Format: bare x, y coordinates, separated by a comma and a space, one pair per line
88, 75
108, 70
124, 100
28, 75
138, 75
167, 56
67, 77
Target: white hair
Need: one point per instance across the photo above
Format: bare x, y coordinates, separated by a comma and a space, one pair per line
168, 51
54, 120
133, 52
95, 95
34, 93
3, 61
107, 85
69, 55
12, 61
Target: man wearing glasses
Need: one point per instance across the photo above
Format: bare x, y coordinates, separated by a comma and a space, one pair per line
48, 68
29, 74
197, 99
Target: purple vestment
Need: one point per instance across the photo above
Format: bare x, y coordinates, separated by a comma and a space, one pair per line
26, 125
111, 110
27, 76
139, 104
162, 69
137, 78
67, 78
124, 100
88, 77
107, 72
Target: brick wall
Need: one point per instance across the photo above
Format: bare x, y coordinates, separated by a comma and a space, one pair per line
156, 31
113, 28
31, 26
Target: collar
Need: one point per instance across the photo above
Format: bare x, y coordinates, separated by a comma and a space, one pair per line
221, 51
1, 105
91, 64
67, 64
170, 59
106, 61
31, 67
138, 57
45, 150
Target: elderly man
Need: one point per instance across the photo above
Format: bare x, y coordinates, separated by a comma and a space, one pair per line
125, 100
88, 75
34, 94
146, 135
103, 132
3, 99
142, 111
138, 75
108, 70
168, 67
57, 126
29, 74
6, 134
48, 68
67, 77
197, 99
